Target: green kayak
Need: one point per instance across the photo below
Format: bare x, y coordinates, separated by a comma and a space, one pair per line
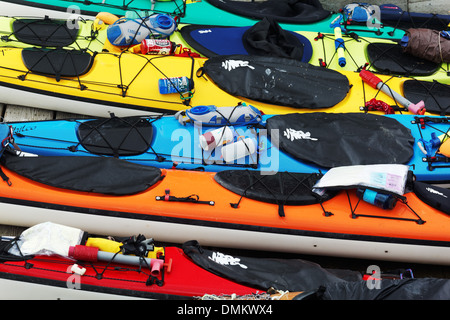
297, 15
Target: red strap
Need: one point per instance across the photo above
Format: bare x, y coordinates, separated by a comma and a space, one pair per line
378, 105
167, 195
187, 52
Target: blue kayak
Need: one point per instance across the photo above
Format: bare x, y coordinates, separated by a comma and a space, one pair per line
206, 139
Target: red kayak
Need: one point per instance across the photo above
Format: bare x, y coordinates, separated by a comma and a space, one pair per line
57, 277
51, 261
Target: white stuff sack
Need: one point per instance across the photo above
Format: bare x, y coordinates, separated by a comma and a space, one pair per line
387, 177
47, 238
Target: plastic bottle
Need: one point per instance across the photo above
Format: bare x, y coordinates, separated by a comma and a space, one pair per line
239, 149
174, 85
157, 46
211, 139
381, 200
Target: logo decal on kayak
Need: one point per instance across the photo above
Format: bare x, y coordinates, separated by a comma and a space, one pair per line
297, 135
205, 31
431, 190
233, 64
226, 260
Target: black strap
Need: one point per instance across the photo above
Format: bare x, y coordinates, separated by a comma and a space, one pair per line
193, 198
5, 177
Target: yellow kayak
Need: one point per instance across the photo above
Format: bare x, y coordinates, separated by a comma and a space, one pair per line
78, 34
378, 55
127, 84
76, 76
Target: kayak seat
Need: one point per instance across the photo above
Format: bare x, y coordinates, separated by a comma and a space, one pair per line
45, 32
390, 58
434, 196
435, 95
104, 175
57, 62
115, 136
265, 38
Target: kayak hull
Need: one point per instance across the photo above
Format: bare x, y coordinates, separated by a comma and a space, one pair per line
239, 236
24, 288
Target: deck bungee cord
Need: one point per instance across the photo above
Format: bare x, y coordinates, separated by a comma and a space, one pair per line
380, 52
275, 190
300, 182
57, 35
53, 71
403, 200
433, 95
76, 34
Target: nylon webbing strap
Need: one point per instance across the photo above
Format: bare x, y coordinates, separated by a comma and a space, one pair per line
193, 198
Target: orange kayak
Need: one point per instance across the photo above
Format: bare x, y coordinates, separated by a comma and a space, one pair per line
181, 205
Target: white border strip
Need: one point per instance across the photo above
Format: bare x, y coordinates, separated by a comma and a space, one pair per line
229, 238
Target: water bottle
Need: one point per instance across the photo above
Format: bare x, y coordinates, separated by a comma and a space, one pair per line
174, 85
211, 139
239, 149
157, 46
381, 200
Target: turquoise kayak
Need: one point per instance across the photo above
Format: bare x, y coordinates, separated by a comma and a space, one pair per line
303, 16
270, 143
